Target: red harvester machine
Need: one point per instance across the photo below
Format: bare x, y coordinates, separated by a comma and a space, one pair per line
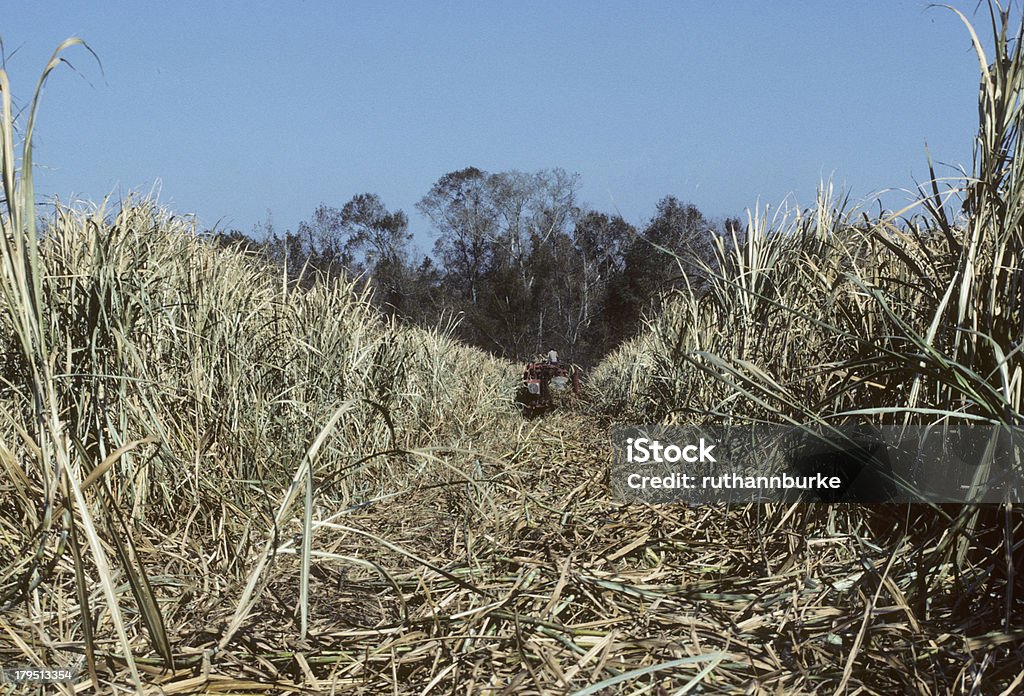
544, 385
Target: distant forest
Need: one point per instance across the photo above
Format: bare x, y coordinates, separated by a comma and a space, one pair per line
517, 261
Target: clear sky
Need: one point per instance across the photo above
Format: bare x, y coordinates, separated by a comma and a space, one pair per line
236, 108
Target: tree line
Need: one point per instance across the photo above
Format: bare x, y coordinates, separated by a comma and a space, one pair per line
517, 260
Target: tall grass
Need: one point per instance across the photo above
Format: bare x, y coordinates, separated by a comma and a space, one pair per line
825, 311
189, 378
151, 381
827, 315
43, 432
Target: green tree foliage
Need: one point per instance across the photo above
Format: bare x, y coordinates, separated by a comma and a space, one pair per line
496, 236
515, 257
372, 236
596, 268
362, 240
529, 270
674, 249
459, 207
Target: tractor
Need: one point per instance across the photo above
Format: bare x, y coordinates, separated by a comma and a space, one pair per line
545, 383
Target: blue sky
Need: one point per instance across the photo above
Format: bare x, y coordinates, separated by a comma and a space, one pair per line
234, 109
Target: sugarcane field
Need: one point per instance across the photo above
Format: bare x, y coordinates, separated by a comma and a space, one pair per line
533, 426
